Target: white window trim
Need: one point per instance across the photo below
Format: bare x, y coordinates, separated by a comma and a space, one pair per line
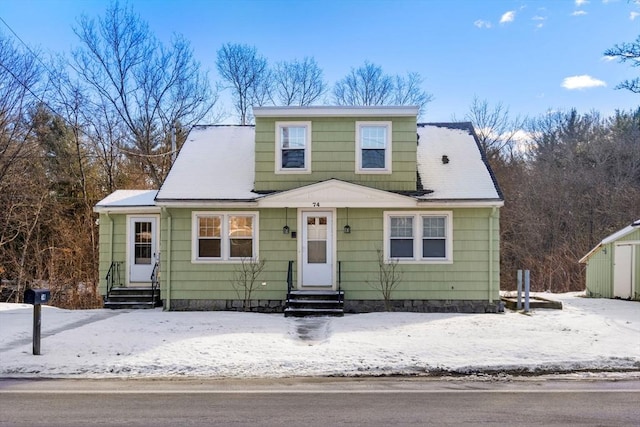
417, 236
388, 149
307, 149
224, 250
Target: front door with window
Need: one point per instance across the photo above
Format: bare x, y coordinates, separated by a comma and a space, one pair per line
142, 248
317, 249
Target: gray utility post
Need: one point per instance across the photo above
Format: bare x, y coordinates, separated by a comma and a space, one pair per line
519, 303
36, 297
526, 291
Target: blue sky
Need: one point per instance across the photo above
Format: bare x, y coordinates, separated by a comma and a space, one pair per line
524, 54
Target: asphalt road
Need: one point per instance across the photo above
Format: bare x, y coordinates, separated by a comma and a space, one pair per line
318, 402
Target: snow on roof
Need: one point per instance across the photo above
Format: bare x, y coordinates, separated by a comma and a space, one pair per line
215, 163
612, 238
451, 164
128, 198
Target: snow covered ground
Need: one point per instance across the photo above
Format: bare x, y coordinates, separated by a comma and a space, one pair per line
588, 335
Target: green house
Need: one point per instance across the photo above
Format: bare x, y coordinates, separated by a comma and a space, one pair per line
323, 201
613, 266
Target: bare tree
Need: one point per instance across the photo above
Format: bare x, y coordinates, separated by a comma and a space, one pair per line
20, 73
408, 91
366, 85
496, 130
298, 82
246, 74
627, 52
150, 87
369, 85
389, 278
245, 277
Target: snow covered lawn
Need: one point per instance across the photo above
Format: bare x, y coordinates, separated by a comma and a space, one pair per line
587, 335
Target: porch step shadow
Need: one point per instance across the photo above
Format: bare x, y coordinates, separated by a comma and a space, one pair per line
132, 298
314, 303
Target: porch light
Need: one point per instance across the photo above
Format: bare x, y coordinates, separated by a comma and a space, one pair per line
286, 229
347, 228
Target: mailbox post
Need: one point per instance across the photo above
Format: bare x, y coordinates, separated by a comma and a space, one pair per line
36, 297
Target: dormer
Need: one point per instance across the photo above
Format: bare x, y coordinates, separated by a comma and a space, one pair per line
372, 146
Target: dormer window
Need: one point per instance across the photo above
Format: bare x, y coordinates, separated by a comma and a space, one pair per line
373, 147
293, 147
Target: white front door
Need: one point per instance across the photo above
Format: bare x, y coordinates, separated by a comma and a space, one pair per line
317, 249
142, 248
623, 271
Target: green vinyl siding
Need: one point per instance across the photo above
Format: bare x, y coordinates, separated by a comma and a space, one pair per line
600, 269
467, 278
333, 151
112, 246
214, 280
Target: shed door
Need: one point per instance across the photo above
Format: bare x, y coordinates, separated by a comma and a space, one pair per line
623, 271
142, 248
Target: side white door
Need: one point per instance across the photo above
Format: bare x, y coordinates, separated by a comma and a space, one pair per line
142, 248
623, 271
317, 249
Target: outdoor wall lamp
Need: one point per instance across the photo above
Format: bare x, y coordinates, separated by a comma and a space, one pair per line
347, 228
286, 229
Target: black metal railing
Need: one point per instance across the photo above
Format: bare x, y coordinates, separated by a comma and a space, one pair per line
340, 298
289, 280
155, 280
113, 276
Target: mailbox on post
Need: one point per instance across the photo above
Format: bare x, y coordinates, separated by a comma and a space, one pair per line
36, 297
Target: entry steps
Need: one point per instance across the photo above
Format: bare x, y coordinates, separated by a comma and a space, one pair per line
132, 298
314, 303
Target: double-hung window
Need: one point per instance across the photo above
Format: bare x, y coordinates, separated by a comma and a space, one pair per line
418, 236
224, 236
293, 147
373, 147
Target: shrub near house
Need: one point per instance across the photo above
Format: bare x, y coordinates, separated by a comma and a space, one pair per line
317, 193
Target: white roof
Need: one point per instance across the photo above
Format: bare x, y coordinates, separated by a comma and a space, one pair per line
215, 163
612, 238
128, 199
463, 174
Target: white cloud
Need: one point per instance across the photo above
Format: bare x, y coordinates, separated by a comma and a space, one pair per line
581, 82
508, 17
579, 13
581, 2
482, 24
540, 21
634, 15
608, 58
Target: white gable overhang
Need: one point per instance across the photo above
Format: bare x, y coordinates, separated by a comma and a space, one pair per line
334, 193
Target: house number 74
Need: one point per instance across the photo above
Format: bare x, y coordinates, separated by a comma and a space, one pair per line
316, 204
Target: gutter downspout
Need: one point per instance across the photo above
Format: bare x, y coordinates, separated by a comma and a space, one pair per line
110, 246
167, 305
491, 243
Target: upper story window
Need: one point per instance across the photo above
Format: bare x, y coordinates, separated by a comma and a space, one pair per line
419, 236
373, 147
224, 236
293, 147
